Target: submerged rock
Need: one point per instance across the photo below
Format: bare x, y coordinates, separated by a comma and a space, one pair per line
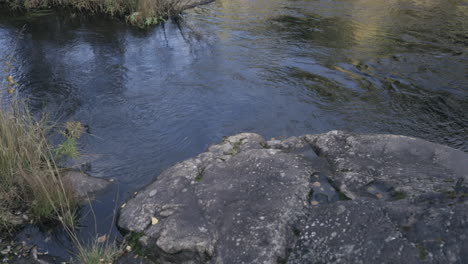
84, 185
330, 198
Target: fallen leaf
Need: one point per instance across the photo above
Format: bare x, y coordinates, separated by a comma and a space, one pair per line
11, 90
316, 184
154, 220
102, 239
10, 79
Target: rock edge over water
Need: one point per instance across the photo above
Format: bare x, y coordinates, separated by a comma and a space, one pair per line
329, 198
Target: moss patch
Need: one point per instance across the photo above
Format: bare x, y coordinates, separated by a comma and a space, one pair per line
236, 148
132, 240
422, 252
397, 195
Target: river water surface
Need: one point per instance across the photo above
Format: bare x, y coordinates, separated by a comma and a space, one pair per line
276, 67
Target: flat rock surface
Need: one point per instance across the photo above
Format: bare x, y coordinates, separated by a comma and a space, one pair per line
330, 198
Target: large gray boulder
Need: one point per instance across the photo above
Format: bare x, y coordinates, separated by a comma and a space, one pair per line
330, 198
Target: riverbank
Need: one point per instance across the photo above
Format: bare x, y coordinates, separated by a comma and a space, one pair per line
141, 13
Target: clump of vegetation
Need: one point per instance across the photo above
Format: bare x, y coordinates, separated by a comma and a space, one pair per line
132, 240
236, 148
30, 180
397, 195
68, 148
422, 251
97, 253
199, 176
151, 12
141, 13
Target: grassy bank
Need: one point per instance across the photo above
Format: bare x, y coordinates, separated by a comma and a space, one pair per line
141, 13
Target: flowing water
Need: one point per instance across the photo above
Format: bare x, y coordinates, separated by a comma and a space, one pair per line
276, 67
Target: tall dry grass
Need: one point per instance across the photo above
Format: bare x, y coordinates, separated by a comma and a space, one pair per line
30, 180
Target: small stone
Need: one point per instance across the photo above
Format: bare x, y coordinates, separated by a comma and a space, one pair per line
6, 250
102, 239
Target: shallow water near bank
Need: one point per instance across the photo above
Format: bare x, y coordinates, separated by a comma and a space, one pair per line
278, 68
